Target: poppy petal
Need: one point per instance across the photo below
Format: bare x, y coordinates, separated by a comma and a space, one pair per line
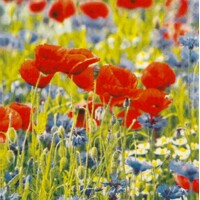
37, 6
24, 111
31, 74
8, 116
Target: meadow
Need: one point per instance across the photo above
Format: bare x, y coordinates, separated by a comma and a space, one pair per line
99, 99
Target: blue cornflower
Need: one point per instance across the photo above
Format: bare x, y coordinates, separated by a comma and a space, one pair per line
172, 192
116, 186
188, 169
156, 123
78, 138
189, 41
84, 157
27, 36
189, 55
137, 166
159, 41
4, 195
127, 64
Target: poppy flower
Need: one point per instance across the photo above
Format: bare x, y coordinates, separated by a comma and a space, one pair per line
185, 183
115, 81
131, 118
31, 74
84, 80
186, 175
36, 6
8, 116
81, 117
183, 8
95, 9
132, 4
24, 111
158, 75
48, 58
77, 60
152, 101
62, 9
2, 138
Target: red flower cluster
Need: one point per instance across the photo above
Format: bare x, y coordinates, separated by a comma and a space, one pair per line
50, 59
132, 4
16, 115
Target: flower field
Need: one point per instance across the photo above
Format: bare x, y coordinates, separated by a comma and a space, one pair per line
99, 99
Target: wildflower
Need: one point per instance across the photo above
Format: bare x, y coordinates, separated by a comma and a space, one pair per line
152, 101
129, 4
137, 166
9, 117
81, 117
186, 175
189, 41
116, 186
36, 78
85, 80
79, 137
24, 111
154, 76
162, 151
155, 122
131, 118
36, 6
27, 36
95, 9
173, 192
182, 153
162, 141
87, 160
62, 9
77, 60
115, 82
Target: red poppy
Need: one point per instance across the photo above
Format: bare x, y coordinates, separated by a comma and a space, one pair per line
77, 60
49, 58
81, 118
24, 111
62, 9
152, 101
132, 4
36, 6
2, 138
8, 116
115, 81
158, 75
95, 9
84, 80
185, 183
31, 74
183, 8
131, 119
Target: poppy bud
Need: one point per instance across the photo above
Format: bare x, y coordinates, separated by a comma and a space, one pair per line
12, 135
81, 172
10, 156
62, 151
96, 72
63, 163
99, 113
113, 120
61, 131
94, 153
114, 167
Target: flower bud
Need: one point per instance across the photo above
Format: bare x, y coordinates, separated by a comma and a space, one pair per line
63, 163
12, 135
81, 172
126, 103
62, 151
94, 153
10, 156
